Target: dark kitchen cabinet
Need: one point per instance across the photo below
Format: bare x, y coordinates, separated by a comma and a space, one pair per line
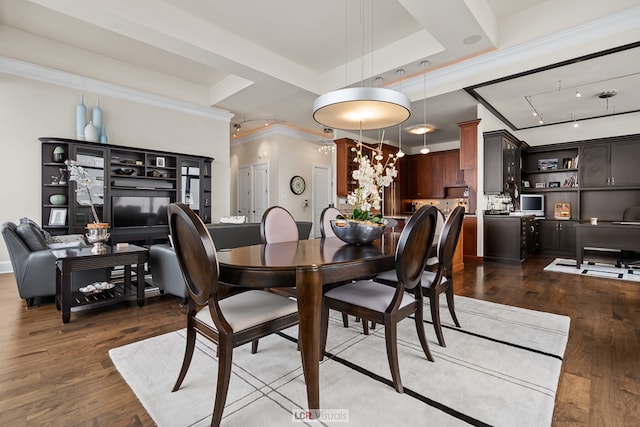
501, 161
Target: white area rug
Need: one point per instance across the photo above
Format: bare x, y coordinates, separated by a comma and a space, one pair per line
500, 369
594, 269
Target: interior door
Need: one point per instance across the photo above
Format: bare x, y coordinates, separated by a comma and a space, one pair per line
321, 195
260, 191
244, 191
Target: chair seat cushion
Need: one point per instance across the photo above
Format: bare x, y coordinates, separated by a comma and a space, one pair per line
426, 281
250, 308
368, 294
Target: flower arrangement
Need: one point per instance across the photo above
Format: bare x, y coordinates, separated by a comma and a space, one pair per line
372, 176
80, 175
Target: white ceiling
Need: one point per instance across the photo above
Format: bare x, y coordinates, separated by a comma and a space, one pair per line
270, 59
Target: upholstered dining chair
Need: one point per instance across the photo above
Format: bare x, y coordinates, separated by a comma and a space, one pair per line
277, 225
432, 261
441, 281
372, 301
230, 322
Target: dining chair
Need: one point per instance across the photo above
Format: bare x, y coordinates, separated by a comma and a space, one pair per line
326, 216
277, 225
386, 305
441, 281
229, 322
432, 261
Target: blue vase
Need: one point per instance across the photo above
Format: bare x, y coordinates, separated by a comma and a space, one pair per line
103, 136
97, 116
81, 118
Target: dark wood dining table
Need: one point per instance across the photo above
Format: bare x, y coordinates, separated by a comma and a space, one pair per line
309, 266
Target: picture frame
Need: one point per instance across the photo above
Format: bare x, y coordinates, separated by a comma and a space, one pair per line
160, 162
541, 185
58, 216
554, 184
547, 164
562, 210
526, 184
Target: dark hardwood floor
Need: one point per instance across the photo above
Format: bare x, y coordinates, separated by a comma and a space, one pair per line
61, 375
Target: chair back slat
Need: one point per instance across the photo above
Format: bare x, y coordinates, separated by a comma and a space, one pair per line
413, 248
195, 251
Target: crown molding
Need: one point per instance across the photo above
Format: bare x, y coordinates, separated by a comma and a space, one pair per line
70, 80
275, 130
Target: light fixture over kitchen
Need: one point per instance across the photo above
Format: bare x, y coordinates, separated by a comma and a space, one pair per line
425, 127
361, 108
326, 145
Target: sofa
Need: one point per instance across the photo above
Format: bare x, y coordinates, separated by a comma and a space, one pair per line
165, 271
34, 263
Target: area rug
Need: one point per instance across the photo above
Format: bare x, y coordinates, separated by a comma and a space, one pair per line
594, 269
501, 369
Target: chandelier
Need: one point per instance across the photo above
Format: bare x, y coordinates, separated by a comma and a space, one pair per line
326, 145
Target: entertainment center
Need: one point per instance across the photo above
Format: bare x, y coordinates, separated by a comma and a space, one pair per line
131, 189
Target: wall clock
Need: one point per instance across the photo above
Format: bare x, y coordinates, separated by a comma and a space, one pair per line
297, 185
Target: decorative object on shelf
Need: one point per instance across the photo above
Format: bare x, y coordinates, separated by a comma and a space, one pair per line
91, 133
58, 216
98, 234
554, 184
356, 233
103, 136
81, 118
562, 210
82, 177
160, 162
297, 185
526, 184
547, 164
97, 116
58, 199
541, 185
58, 154
63, 176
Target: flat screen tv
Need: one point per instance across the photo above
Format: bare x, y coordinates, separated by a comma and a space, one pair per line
532, 204
129, 211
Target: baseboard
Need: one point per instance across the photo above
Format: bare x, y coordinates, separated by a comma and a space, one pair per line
472, 258
5, 267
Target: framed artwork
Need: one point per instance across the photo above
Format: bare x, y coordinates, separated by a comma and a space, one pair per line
526, 184
58, 216
160, 162
554, 184
562, 210
547, 164
540, 185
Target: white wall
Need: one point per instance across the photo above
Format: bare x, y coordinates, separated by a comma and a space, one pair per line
289, 152
32, 109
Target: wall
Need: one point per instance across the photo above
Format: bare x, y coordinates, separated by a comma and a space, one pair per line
31, 109
289, 152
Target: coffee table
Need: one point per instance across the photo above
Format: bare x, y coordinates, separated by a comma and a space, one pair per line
78, 259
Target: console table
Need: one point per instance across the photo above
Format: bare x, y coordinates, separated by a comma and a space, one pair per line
77, 259
608, 235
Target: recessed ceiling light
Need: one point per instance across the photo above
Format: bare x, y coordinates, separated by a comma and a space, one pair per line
472, 39
420, 129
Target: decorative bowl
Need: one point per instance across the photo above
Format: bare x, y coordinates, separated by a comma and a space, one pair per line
356, 233
58, 199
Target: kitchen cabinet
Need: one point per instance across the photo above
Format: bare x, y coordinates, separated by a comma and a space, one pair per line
509, 239
558, 236
613, 164
452, 174
468, 144
427, 175
501, 161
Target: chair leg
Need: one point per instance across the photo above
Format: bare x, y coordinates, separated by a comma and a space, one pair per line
365, 326
188, 355
391, 337
419, 316
31, 302
224, 375
345, 320
254, 346
434, 303
324, 327
452, 309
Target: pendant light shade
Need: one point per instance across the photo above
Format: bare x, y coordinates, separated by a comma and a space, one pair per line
361, 108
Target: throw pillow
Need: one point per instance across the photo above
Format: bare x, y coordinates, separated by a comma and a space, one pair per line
32, 236
45, 234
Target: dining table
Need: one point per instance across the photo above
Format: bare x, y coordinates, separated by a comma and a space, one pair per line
309, 266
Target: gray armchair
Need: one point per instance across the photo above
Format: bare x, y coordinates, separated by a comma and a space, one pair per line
34, 264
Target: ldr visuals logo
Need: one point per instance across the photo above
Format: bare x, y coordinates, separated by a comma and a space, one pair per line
322, 415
